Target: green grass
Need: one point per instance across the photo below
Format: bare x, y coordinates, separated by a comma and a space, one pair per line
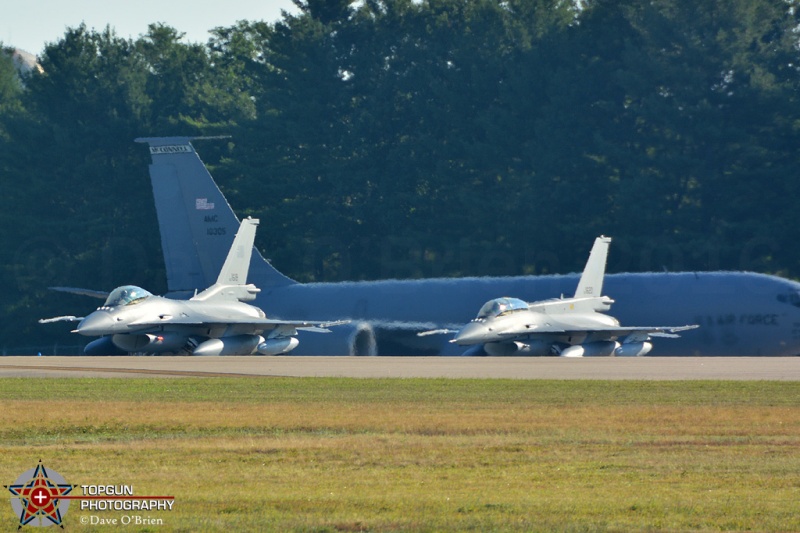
286, 454
260, 390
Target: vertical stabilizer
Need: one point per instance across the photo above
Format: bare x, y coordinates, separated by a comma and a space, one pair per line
591, 283
196, 222
232, 280
237, 264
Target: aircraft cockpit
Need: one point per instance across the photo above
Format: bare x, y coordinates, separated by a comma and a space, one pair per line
501, 306
126, 295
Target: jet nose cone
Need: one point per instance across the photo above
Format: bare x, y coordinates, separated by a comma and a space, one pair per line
96, 324
472, 333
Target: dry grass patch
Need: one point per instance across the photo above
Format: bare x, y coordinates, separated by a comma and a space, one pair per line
399, 455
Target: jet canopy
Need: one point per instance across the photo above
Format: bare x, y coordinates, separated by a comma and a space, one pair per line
126, 295
501, 306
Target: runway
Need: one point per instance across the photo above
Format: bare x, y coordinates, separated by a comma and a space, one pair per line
600, 368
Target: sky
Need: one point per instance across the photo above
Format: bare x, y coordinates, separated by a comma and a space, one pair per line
30, 24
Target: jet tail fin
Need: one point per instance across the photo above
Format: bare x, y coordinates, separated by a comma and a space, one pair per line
232, 280
591, 283
196, 223
237, 264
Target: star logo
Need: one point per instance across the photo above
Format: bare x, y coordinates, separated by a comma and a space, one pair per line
36, 497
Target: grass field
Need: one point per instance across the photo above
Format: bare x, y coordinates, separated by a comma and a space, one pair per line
285, 454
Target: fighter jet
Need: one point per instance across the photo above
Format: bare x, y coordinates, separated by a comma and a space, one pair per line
569, 327
214, 322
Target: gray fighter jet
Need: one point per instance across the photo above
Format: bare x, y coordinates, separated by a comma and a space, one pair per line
213, 322
570, 327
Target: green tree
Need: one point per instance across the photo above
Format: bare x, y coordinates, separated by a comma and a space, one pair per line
367, 125
10, 83
704, 90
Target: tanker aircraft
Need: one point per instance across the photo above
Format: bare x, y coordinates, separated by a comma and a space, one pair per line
213, 322
569, 327
740, 313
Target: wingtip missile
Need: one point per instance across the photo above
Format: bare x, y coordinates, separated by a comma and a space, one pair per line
66, 318
444, 331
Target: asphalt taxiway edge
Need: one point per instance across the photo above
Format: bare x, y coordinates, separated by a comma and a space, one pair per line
601, 368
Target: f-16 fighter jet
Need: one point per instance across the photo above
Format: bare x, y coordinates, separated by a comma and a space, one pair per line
214, 322
569, 327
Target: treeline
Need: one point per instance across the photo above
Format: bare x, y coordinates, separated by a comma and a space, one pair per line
410, 139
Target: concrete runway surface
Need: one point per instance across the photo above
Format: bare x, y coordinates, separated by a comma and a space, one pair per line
645, 368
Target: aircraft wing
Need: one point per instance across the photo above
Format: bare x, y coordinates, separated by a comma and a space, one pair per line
671, 332
637, 332
321, 327
265, 323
